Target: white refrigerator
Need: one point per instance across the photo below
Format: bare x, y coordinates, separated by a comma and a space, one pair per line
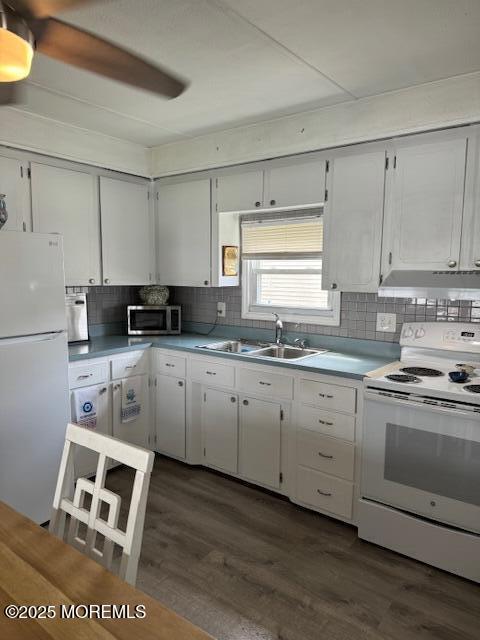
33, 370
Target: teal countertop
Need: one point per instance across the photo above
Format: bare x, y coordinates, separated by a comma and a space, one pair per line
334, 363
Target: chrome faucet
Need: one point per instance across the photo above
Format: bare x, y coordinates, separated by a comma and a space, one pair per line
278, 329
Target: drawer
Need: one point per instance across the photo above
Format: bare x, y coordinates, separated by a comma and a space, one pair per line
219, 375
328, 396
84, 375
337, 425
325, 492
273, 384
133, 364
325, 454
169, 365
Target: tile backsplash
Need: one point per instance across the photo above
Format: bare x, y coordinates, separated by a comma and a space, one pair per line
107, 305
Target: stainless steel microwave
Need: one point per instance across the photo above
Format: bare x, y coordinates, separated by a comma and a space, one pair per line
154, 320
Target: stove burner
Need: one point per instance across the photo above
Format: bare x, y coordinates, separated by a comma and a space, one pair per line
473, 388
401, 377
422, 371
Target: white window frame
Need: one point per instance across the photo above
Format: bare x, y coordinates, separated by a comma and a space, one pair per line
250, 311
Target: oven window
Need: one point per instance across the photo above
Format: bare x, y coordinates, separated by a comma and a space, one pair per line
440, 464
154, 320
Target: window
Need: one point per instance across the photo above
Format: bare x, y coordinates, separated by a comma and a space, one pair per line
282, 270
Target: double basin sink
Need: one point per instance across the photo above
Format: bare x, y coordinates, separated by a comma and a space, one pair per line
262, 350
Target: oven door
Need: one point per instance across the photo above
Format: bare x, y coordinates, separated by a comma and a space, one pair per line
147, 320
422, 459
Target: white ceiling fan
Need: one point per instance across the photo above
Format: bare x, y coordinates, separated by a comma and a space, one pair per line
27, 26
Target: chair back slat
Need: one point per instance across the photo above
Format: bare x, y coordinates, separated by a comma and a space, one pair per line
71, 500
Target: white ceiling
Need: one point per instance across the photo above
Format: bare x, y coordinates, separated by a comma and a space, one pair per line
251, 60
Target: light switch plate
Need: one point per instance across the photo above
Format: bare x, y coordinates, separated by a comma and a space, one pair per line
387, 322
221, 309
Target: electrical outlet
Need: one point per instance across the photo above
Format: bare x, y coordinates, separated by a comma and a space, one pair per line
387, 322
221, 309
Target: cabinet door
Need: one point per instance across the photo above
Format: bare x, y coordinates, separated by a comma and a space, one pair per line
136, 431
260, 437
14, 186
425, 205
295, 184
220, 429
127, 248
240, 191
183, 234
66, 202
353, 222
86, 460
470, 248
170, 415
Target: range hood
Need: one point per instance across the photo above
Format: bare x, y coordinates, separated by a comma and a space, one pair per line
453, 285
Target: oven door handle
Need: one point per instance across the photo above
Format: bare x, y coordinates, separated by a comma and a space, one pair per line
412, 404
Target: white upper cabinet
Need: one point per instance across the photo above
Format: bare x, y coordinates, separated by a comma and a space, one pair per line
239, 191
353, 221
470, 246
66, 202
14, 186
183, 234
424, 206
127, 246
293, 185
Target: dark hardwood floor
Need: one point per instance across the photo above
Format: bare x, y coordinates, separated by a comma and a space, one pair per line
243, 564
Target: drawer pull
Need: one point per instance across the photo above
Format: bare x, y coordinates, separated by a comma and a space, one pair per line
84, 377
131, 366
103, 390
211, 373
265, 384
168, 364
325, 395
324, 455
327, 424
324, 493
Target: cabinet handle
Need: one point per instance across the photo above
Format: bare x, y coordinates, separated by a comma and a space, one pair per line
84, 377
103, 390
333, 285
272, 202
107, 280
328, 424
257, 203
92, 281
169, 364
131, 366
266, 384
324, 455
325, 395
452, 263
211, 373
205, 282
233, 399
477, 263
324, 493
180, 383
245, 402
116, 387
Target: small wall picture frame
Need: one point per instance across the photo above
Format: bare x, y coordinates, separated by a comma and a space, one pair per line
230, 260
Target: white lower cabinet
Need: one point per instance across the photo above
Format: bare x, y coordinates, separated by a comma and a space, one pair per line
260, 441
136, 430
219, 420
170, 416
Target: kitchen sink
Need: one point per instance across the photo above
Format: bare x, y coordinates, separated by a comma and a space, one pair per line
285, 352
233, 346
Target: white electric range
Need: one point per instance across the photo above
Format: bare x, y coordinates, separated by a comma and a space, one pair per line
420, 489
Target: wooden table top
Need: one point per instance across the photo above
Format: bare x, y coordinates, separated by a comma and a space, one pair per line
36, 568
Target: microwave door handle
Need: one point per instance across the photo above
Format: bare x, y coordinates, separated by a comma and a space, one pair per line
412, 404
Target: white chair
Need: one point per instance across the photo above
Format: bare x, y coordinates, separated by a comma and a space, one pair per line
129, 540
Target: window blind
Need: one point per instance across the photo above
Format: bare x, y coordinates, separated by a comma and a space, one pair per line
286, 239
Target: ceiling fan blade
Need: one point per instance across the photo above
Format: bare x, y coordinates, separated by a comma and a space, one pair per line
43, 8
79, 48
10, 93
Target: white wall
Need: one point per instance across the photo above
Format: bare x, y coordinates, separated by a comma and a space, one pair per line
35, 133
430, 106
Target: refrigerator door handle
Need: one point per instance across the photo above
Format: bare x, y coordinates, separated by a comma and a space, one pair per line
36, 337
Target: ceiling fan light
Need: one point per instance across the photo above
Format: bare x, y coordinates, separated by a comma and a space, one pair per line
15, 56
